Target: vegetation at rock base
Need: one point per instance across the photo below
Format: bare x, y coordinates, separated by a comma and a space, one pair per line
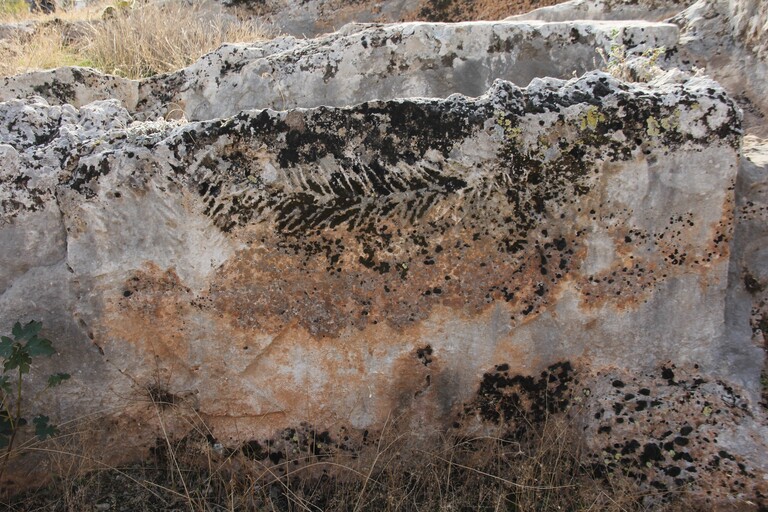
17, 353
530, 457
135, 41
397, 472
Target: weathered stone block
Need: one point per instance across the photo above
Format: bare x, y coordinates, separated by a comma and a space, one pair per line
333, 265
358, 63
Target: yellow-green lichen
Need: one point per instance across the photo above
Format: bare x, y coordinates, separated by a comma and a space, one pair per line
511, 132
672, 122
591, 118
656, 127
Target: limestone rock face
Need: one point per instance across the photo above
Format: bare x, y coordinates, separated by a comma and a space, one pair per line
724, 38
334, 264
727, 38
651, 10
359, 63
312, 18
406, 219
747, 305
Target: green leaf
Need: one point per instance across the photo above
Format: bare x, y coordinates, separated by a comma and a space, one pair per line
56, 379
39, 347
31, 329
9, 424
5, 384
6, 346
42, 429
19, 359
17, 331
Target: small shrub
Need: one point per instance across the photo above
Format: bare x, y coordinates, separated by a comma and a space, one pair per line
18, 352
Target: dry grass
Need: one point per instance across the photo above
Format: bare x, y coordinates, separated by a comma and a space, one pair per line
134, 42
12, 10
45, 49
154, 38
529, 456
397, 470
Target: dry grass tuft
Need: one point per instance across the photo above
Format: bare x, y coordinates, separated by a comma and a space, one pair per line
12, 10
133, 42
46, 48
156, 38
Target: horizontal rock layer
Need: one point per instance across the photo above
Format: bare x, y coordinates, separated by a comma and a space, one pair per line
359, 63
652, 10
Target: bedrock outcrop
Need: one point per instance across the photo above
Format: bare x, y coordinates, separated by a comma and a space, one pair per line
280, 242
359, 63
332, 265
652, 10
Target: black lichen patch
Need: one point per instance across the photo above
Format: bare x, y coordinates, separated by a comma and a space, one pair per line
254, 451
522, 402
424, 355
59, 91
84, 175
395, 136
303, 444
378, 198
752, 284
160, 396
380, 211
662, 430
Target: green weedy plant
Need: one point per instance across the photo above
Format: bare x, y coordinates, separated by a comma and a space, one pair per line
17, 352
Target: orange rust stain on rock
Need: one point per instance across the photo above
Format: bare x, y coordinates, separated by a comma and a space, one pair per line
339, 279
625, 287
645, 259
150, 312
